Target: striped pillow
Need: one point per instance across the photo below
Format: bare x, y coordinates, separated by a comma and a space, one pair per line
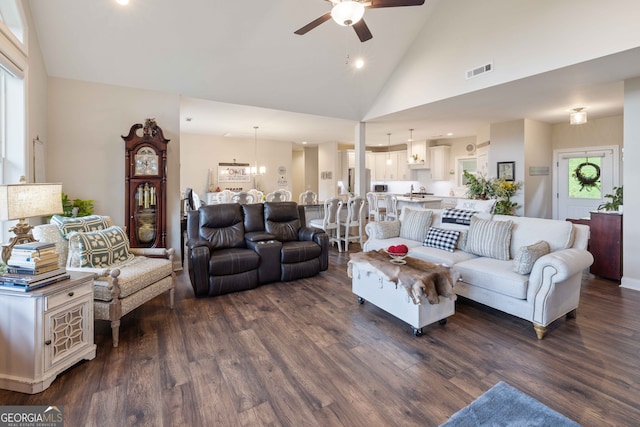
489, 238
415, 224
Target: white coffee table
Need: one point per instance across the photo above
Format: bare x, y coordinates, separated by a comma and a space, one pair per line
370, 285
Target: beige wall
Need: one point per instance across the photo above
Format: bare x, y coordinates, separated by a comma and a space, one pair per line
200, 155
537, 153
631, 238
86, 151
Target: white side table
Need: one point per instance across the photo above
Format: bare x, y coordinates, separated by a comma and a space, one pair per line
44, 332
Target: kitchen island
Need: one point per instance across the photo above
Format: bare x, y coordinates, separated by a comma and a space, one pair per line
429, 202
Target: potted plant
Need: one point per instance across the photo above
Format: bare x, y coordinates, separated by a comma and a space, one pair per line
504, 191
76, 207
479, 186
616, 201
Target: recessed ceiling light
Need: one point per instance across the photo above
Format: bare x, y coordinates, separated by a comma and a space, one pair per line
304, 142
123, 2
228, 134
359, 63
449, 134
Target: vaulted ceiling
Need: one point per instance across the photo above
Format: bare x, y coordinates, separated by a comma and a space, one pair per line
238, 64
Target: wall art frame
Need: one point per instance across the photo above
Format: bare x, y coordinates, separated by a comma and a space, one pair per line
507, 171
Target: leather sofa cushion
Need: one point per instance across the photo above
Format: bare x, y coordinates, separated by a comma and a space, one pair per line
294, 252
233, 261
282, 220
222, 226
253, 217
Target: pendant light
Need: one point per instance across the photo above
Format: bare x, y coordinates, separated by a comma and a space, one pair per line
410, 151
255, 170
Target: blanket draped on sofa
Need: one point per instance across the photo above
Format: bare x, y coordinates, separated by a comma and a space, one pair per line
416, 276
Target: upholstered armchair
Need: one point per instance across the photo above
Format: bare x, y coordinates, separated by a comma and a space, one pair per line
125, 278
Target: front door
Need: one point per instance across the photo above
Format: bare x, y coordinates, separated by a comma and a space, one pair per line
582, 179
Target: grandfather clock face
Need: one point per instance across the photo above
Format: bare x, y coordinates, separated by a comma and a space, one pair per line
146, 162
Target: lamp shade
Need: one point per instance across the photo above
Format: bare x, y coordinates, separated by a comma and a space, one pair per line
19, 201
347, 12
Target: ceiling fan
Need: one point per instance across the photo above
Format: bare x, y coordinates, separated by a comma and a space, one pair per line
349, 13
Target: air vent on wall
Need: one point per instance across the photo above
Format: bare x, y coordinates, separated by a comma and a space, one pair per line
480, 70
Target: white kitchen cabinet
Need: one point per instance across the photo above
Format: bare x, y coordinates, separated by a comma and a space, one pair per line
440, 162
421, 149
370, 163
44, 332
381, 168
399, 169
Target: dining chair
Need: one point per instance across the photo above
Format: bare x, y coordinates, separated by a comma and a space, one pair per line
196, 200
308, 198
276, 196
287, 194
353, 224
374, 210
330, 223
391, 207
224, 196
257, 195
242, 197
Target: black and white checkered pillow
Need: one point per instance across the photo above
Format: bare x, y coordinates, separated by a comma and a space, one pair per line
441, 239
457, 216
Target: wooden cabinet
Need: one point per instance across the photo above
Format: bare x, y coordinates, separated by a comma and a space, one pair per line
44, 332
440, 163
146, 186
605, 244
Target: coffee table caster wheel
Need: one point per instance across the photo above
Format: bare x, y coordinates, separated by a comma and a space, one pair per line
442, 321
417, 332
360, 300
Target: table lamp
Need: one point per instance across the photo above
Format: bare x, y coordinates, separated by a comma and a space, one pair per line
20, 201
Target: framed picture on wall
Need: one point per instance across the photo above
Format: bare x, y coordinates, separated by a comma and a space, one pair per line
507, 171
233, 172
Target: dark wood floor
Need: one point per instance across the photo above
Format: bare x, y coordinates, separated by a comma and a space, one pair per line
306, 353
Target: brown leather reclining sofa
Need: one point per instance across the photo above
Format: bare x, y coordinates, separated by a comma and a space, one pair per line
233, 247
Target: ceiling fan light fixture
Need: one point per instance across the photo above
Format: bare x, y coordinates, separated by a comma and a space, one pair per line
347, 12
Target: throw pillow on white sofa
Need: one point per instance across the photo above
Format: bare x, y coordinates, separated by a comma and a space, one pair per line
528, 255
415, 224
489, 238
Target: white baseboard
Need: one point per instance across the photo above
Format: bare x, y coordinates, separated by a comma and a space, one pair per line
630, 284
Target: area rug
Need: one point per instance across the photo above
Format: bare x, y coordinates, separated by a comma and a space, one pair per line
504, 405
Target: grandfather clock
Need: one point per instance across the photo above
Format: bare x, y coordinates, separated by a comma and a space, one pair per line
146, 185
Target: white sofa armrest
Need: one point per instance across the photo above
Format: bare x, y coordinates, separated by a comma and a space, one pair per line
554, 283
560, 265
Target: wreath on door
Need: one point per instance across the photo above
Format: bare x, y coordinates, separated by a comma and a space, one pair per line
588, 175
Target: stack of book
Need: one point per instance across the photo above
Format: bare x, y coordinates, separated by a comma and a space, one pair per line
31, 266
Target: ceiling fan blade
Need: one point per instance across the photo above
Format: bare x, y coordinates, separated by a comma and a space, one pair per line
311, 25
362, 31
394, 3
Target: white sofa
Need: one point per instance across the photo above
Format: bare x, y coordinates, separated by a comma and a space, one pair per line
550, 291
